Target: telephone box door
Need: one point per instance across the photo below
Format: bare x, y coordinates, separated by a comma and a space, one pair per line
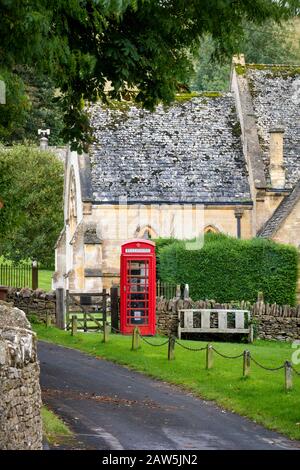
138, 287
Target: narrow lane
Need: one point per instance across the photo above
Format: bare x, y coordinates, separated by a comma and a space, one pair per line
110, 407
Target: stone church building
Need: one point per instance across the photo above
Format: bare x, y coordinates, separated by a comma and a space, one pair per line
231, 160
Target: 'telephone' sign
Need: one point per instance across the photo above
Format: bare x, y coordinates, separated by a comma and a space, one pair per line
137, 250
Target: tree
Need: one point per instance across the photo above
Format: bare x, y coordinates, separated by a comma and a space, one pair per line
267, 44
146, 44
30, 105
31, 187
13, 114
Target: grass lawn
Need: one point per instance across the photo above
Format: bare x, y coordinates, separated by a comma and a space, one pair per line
260, 397
54, 429
45, 279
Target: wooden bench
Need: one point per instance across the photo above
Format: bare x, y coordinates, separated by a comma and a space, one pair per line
241, 322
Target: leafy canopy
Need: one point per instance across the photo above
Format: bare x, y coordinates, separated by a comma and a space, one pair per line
31, 188
142, 45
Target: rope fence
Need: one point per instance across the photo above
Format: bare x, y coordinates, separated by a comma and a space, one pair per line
270, 369
227, 357
289, 369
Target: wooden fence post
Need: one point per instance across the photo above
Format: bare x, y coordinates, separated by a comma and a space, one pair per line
135, 339
74, 325
209, 356
60, 308
35, 275
171, 348
105, 332
114, 308
288, 374
246, 363
104, 311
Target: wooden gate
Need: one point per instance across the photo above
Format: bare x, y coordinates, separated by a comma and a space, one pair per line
91, 309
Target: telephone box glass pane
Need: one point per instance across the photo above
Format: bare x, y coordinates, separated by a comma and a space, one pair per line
137, 289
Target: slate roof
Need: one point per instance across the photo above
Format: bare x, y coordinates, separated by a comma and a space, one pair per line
189, 152
276, 100
281, 213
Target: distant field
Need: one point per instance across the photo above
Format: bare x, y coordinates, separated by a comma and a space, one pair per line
45, 279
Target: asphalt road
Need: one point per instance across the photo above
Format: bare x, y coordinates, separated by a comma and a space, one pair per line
110, 407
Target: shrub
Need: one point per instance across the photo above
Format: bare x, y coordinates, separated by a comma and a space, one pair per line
227, 269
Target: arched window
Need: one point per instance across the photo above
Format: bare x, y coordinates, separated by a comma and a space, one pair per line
146, 232
211, 229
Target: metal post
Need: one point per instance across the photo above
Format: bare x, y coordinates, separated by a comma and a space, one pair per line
209, 356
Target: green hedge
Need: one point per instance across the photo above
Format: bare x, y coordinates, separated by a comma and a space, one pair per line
227, 269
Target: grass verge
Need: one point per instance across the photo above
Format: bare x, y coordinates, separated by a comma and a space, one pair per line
261, 396
54, 429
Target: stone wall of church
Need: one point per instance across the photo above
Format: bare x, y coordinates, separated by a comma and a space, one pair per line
289, 232
163, 220
20, 394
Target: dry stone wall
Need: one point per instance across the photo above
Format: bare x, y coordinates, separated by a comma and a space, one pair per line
34, 302
273, 322
20, 394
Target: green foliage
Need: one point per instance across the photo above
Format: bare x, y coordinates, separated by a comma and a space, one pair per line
267, 44
145, 46
227, 269
30, 105
14, 113
34, 319
161, 243
31, 187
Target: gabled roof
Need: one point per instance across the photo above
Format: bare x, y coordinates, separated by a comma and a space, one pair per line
188, 152
281, 213
275, 91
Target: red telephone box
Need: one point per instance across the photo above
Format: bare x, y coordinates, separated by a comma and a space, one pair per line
138, 287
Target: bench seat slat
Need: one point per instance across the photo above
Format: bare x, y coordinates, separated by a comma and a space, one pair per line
214, 330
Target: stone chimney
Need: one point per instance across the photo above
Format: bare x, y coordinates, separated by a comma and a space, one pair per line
239, 59
43, 139
277, 170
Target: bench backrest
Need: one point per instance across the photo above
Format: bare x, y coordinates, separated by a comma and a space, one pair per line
241, 319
